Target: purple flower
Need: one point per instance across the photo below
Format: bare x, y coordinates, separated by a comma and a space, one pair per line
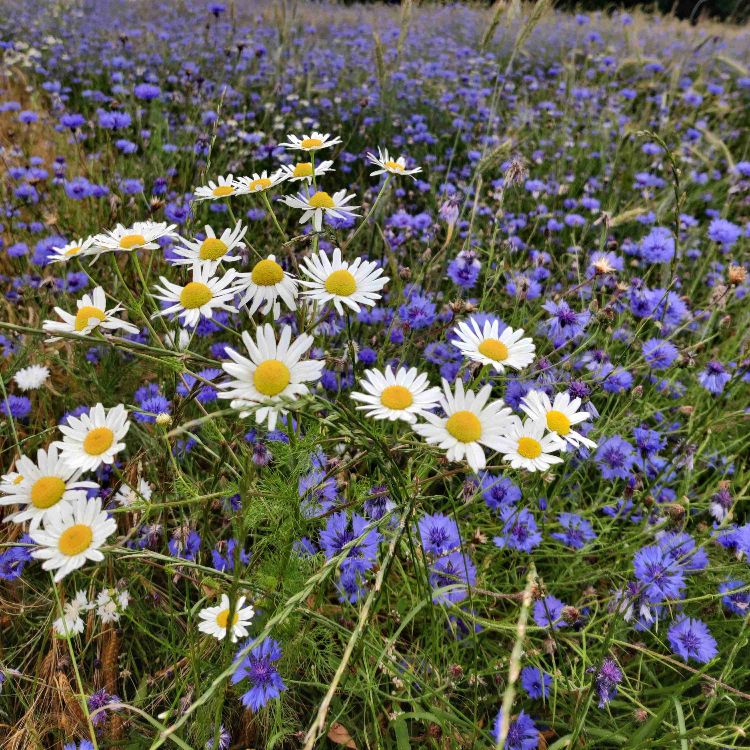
519, 530
464, 269
615, 458
535, 682
98, 700
691, 639
608, 677
146, 91
548, 613
13, 559
577, 531
736, 601
661, 577
339, 532
565, 324
419, 311
450, 571
17, 407
439, 534
259, 670
724, 232
658, 246
498, 491
659, 354
522, 733
714, 377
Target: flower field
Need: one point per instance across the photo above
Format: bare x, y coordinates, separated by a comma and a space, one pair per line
372, 377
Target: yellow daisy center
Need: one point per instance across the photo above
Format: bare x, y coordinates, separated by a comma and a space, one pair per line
558, 422
271, 377
494, 349
464, 426
303, 169
321, 199
18, 479
222, 619
311, 143
75, 539
396, 397
129, 241
46, 492
73, 250
267, 273
212, 248
98, 440
222, 191
260, 184
341, 283
85, 314
529, 448
394, 165
195, 295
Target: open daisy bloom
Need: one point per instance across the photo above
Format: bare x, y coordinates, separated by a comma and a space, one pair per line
558, 416
470, 422
141, 236
336, 281
92, 314
72, 534
32, 377
224, 187
526, 446
39, 487
199, 297
304, 170
215, 620
76, 249
212, 250
259, 182
274, 373
386, 163
95, 438
312, 142
405, 395
265, 285
491, 347
320, 203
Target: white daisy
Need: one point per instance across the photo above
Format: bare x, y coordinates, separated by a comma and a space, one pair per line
469, 423
42, 485
141, 236
386, 163
222, 188
320, 203
265, 284
259, 182
215, 620
71, 622
92, 314
304, 170
313, 142
32, 377
212, 250
198, 298
559, 417
274, 373
405, 395
95, 438
490, 347
128, 495
75, 249
525, 445
72, 534
336, 281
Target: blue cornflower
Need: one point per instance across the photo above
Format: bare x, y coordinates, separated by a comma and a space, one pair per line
464, 269
535, 682
225, 740
451, 570
737, 602
318, 492
519, 530
680, 547
439, 534
608, 677
577, 531
146, 91
522, 733
721, 502
724, 232
259, 669
99, 700
204, 393
184, 543
565, 324
498, 491
658, 246
419, 311
691, 639
662, 578
13, 559
339, 532
714, 377
222, 556
17, 407
615, 458
648, 442
82, 745
548, 612
659, 354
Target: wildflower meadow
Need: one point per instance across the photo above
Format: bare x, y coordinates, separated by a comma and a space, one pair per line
373, 376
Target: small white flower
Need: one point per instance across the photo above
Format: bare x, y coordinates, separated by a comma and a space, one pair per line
526, 446
32, 377
313, 142
143, 235
110, 604
71, 622
222, 188
180, 342
265, 285
393, 166
491, 347
405, 395
212, 250
75, 249
72, 534
304, 170
258, 183
321, 203
215, 620
559, 417
128, 495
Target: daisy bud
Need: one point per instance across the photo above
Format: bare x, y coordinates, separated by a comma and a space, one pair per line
164, 419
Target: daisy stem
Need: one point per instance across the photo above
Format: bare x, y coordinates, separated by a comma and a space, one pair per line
364, 221
79, 682
264, 196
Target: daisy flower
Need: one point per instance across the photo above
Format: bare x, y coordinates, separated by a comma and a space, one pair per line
128, 495
312, 142
273, 373
558, 416
141, 236
259, 182
32, 377
40, 486
304, 170
212, 250
470, 422
320, 203
490, 347
386, 163
405, 395
525, 445
72, 534
198, 298
75, 249
110, 604
95, 438
215, 620
222, 188
92, 314
265, 284
71, 622
338, 282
